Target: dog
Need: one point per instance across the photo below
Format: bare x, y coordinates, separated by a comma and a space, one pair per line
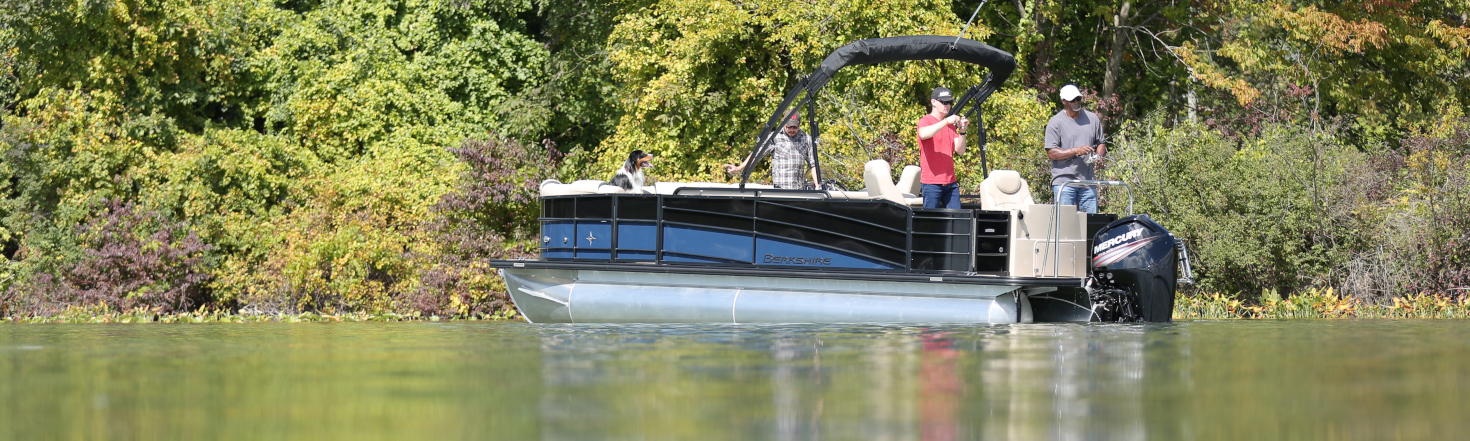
630, 176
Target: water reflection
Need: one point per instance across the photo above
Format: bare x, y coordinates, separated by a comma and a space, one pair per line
870, 382
940, 387
1351, 380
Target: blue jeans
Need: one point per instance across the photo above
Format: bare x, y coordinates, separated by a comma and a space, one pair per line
1085, 198
941, 196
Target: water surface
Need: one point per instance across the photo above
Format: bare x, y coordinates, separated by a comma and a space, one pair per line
1231, 380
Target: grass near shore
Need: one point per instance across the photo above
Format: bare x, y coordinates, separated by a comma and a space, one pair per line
98, 314
1321, 304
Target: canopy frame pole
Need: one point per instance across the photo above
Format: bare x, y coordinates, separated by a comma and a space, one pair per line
811, 114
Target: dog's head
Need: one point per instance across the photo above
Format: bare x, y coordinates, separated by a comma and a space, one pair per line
638, 160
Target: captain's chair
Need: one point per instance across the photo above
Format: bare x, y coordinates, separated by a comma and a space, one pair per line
879, 177
1005, 190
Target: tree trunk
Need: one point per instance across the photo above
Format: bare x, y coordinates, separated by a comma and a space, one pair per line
1115, 58
1038, 73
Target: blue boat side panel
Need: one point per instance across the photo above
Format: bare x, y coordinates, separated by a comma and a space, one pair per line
636, 255
783, 253
560, 234
695, 242
636, 236
695, 259
595, 235
558, 253
593, 254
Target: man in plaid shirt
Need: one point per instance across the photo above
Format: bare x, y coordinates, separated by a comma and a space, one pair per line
791, 154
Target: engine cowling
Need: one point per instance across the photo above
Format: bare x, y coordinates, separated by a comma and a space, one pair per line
1135, 270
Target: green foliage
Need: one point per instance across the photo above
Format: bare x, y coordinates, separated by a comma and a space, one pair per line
1386, 65
1418, 205
570, 104
303, 142
164, 59
1015, 122
491, 214
239, 187
351, 74
700, 77
349, 247
64, 161
1267, 212
317, 150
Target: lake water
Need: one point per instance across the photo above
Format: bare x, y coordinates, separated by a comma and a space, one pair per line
1236, 380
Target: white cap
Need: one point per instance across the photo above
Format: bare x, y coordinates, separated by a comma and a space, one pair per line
1070, 92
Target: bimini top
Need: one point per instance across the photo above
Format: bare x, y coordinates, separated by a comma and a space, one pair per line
887, 50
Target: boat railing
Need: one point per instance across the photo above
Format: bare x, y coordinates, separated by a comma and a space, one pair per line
1056, 218
755, 192
636, 227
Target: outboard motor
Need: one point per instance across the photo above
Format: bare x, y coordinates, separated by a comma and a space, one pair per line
1135, 270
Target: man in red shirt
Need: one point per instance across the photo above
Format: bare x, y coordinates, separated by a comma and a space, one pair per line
939, 142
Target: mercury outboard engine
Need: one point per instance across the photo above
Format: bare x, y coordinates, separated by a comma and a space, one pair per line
1135, 270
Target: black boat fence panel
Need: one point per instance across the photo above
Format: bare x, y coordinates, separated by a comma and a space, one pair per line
768, 231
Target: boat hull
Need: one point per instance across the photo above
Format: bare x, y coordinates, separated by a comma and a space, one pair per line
612, 295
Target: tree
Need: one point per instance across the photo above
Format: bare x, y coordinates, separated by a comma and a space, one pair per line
1385, 64
699, 77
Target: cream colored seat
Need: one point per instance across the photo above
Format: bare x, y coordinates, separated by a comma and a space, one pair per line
1005, 190
879, 178
850, 195
552, 187
908, 181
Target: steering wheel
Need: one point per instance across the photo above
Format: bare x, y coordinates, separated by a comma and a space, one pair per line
833, 184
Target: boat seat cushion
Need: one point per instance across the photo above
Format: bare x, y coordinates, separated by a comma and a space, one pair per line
853, 195
879, 177
552, 187
1005, 190
908, 181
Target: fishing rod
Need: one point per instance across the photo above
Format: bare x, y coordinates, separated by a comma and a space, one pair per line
980, 91
967, 25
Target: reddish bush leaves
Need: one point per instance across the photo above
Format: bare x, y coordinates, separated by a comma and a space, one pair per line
131, 258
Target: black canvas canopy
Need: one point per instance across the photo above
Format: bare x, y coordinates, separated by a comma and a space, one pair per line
887, 50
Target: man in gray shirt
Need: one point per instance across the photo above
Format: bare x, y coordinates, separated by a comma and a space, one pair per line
1074, 141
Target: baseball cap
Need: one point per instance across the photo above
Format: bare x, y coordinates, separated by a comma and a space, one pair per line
942, 94
1070, 92
794, 120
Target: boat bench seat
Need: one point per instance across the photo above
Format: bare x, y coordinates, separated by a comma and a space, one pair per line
552, 187
905, 192
878, 175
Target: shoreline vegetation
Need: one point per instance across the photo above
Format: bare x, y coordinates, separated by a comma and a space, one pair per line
265, 160
1314, 304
